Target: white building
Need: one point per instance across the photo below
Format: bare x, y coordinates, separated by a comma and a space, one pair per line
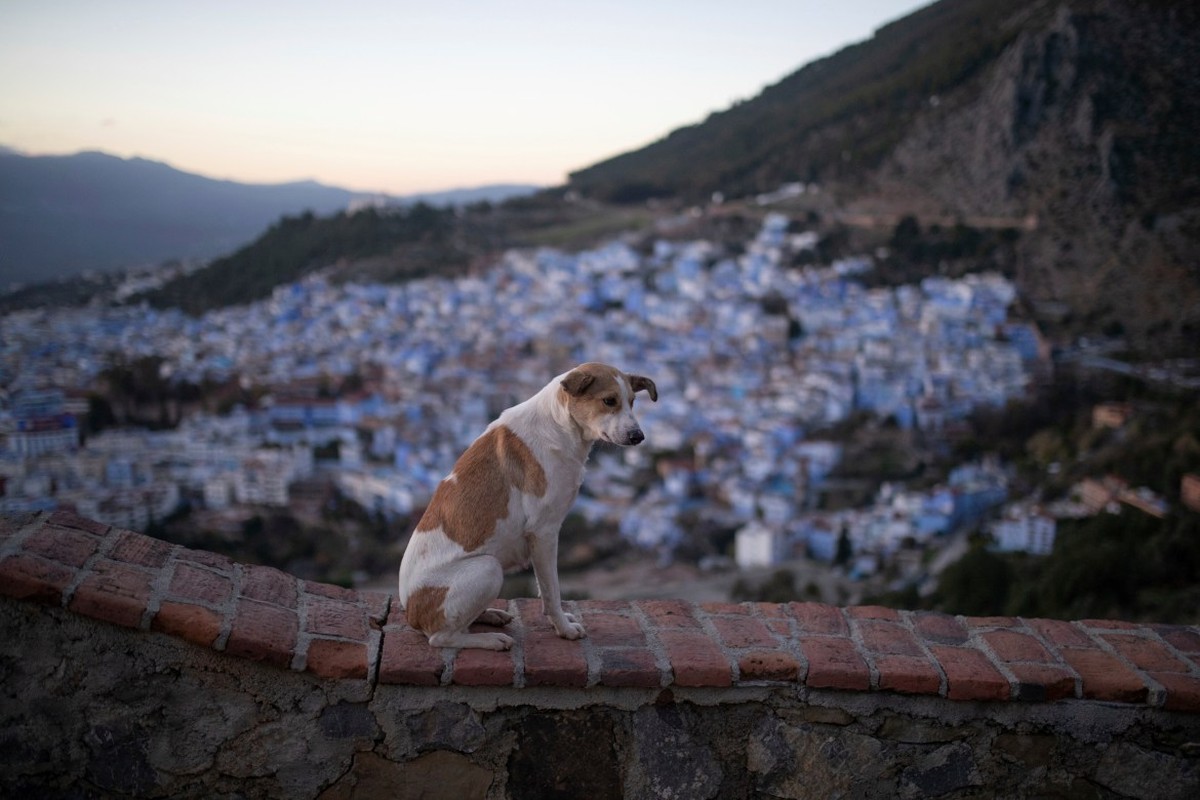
1025, 530
380, 493
756, 545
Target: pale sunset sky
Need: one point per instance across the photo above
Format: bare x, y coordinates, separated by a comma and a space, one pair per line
395, 97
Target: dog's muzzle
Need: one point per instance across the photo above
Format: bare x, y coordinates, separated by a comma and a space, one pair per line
635, 436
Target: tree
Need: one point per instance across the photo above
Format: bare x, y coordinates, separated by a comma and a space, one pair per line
845, 550
977, 584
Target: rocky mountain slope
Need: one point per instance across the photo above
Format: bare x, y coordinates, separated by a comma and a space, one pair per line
1087, 125
1074, 117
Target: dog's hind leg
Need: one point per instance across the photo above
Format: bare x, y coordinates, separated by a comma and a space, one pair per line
472, 584
494, 616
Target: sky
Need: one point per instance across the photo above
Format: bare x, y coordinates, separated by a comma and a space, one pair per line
396, 97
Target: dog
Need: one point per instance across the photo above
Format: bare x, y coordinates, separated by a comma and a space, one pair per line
502, 505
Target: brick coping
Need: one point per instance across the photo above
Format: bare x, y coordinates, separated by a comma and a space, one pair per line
265, 615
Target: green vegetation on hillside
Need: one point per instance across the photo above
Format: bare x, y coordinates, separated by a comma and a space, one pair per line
829, 120
913, 253
420, 238
1125, 566
1111, 566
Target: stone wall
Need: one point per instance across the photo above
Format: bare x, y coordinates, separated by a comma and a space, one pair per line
130, 667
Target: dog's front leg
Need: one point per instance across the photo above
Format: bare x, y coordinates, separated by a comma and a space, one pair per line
544, 552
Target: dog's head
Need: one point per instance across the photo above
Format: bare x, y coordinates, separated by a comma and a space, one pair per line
600, 401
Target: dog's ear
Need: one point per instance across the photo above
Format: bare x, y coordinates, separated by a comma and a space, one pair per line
640, 382
577, 382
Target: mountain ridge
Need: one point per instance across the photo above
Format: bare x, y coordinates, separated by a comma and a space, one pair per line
64, 214
1079, 115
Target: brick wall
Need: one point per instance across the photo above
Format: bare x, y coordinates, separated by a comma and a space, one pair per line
866, 661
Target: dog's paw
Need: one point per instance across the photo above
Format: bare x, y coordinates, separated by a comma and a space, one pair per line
494, 616
493, 641
570, 629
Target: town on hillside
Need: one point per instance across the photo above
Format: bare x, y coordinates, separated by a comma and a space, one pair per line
354, 400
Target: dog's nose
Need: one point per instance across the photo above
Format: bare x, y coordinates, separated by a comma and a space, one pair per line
636, 436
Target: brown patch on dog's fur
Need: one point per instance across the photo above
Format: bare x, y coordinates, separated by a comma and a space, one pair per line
426, 609
467, 506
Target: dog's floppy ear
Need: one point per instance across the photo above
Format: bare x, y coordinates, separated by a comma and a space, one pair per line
640, 382
577, 382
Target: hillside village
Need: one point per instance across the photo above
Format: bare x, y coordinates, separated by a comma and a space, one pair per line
754, 358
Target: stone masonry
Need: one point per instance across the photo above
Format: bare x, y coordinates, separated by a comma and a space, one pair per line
134, 667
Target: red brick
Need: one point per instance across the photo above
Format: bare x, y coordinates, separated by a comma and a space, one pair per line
144, 551
10, 524
969, 675
114, 593
1146, 654
669, 613
616, 606
1183, 639
69, 519
627, 666
888, 637
551, 660
993, 622
474, 667
873, 612
1042, 682
335, 618
726, 608
771, 610
407, 658
780, 627
193, 583
940, 628
331, 591
834, 664
907, 674
530, 611
377, 605
606, 629
1013, 646
263, 632
328, 658
27, 577
695, 659
204, 558
193, 623
1105, 677
1061, 634
1109, 624
768, 665
1183, 691
819, 618
744, 632
64, 546
270, 586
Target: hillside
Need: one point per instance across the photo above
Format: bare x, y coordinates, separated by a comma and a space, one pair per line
61, 215
394, 243
295, 246
1079, 115
64, 215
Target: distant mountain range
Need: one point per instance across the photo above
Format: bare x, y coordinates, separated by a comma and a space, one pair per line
62, 215
1077, 116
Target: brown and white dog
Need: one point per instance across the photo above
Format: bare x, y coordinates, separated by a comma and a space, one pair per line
503, 503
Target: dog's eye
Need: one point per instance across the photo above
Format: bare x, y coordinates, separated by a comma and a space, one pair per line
611, 402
